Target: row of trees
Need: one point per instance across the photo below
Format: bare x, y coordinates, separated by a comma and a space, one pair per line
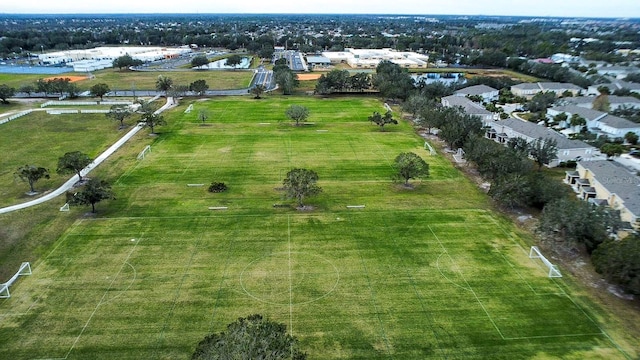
93, 191
566, 223
336, 81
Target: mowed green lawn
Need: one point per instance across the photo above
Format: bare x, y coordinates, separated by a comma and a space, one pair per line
415, 274
40, 139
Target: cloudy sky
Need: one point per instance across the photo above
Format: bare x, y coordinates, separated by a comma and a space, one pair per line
569, 8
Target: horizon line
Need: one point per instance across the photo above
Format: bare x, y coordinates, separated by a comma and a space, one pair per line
315, 13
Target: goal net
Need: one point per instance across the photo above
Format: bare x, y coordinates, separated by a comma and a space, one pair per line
535, 253
25, 269
147, 149
65, 207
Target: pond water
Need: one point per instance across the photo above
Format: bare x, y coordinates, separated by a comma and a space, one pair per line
221, 64
446, 78
45, 70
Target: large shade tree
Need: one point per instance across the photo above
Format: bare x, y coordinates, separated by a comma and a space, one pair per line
94, 191
301, 183
6, 92
198, 61
31, 174
297, 113
119, 113
382, 120
410, 166
100, 90
253, 337
73, 161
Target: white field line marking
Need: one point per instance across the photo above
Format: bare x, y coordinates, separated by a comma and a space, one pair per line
290, 277
102, 299
556, 281
465, 280
375, 304
225, 274
178, 290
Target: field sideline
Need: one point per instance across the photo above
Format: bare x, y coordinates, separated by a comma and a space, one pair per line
416, 274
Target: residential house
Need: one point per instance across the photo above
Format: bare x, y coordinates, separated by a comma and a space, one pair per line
615, 102
568, 150
608, 183
598, 122
469, 107
528, 90
614, 86
619, 72
487, 93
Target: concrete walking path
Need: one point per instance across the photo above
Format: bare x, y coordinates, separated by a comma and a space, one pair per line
102, 157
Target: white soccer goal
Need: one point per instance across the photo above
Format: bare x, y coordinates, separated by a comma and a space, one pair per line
25, 269
534, 253
65, 207
147, 149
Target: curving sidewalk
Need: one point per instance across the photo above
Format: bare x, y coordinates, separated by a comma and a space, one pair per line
97, 161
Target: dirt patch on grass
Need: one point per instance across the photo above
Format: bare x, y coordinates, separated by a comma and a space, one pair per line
71, 78
308, 77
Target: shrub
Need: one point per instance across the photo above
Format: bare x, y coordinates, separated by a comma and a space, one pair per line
217, 187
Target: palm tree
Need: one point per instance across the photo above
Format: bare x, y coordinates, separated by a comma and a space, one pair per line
164, 84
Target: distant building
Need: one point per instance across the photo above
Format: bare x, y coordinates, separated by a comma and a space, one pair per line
487, 93
142, 53
598, 122
370, 58
568, 150
469, 107
318, 61
615, 102
528, 90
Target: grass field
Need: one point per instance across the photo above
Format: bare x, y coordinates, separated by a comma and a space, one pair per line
425, 273
126, 80
58, 134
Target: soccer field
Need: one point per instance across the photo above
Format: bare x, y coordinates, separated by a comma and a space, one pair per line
416, 274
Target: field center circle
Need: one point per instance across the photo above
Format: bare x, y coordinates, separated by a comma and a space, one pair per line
289, 278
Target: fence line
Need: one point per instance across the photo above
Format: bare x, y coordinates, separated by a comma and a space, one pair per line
15, 116
84, 103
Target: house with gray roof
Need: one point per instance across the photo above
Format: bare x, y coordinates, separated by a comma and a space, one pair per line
608, 183
469, 107
598, 122
487, 93
528, 90
614, 86
619, 72
615, 102
568, 150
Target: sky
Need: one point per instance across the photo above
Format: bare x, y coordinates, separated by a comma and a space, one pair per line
564, 8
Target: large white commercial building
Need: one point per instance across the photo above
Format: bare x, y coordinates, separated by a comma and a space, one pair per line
108, 54
370, 58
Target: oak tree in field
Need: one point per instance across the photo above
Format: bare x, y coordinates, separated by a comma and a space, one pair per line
301, 183
253, 337
99, 90
199, 60
382, 120
31, 174
151, 119
410, 166
94, 191
234, 60
297, 113
6, 92
73, 161
257, 91
199, 87
119, 113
